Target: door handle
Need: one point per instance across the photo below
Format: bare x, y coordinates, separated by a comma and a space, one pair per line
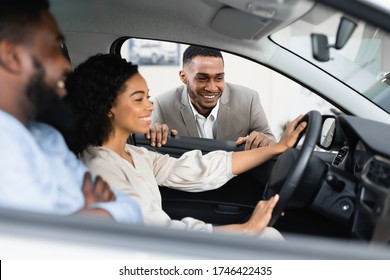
228, 209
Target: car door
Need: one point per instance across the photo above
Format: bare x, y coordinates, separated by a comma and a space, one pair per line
231, 203
234, 201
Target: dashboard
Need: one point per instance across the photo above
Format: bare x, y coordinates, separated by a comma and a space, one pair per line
366, 156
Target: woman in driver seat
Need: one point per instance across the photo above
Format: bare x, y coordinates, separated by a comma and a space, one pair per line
110, 100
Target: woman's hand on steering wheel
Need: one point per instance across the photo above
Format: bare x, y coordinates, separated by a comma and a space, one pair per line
291, 165
292, 132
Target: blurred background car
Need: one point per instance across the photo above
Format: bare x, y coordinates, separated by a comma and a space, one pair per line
153, 52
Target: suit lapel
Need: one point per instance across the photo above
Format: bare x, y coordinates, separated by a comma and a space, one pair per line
223, 128
187, 114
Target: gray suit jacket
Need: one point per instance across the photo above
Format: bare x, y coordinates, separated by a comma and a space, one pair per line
239, 113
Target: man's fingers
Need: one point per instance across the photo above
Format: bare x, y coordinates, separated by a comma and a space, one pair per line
154, 131
102, 191
98, 192
249, 144
162, 135
259, 141
87, 189
159, 134
87, 183
241, 140
111, 196
266, 142
249, 141
107, 193
98, 185
256, 140
174, 132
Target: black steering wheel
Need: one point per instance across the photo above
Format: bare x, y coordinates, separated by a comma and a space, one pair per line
283, 179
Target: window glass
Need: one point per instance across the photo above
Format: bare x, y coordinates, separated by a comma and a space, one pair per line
363, 63
281, 98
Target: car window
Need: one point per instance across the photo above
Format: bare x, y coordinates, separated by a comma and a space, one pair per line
281, 98
363, 63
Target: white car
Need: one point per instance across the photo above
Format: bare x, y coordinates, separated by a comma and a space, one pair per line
153, 52
326, 58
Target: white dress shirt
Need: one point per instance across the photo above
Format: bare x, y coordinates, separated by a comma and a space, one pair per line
207, 127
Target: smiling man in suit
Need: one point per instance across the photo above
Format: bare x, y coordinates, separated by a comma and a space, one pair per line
208, 107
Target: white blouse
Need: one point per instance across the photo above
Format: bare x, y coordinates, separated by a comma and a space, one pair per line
192, 172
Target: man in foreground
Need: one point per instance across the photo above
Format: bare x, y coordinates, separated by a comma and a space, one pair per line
37, 170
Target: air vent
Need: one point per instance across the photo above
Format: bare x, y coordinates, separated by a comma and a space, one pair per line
377, 171
340, 156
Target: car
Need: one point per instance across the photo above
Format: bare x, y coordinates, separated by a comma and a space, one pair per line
325, 59
152, 52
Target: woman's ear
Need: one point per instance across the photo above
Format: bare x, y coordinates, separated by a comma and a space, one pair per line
110, 114
10, 56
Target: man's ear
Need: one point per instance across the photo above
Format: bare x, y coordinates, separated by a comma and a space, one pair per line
183, 76
10, 56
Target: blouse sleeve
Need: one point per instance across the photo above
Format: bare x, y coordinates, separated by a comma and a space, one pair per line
125, 208
193, 172
152, 212
114, 176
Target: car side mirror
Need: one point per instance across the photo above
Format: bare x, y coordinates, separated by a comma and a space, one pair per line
328, 132
320, 45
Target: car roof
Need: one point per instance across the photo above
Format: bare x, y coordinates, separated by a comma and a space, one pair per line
161, 21
97, 25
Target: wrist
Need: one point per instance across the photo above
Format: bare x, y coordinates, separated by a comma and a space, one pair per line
246, 228
280, 148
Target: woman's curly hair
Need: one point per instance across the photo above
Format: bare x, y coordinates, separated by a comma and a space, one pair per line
93, 88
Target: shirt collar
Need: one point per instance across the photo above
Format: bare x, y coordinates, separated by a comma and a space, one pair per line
195, 113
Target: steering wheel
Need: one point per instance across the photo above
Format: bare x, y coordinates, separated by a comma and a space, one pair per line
283, 180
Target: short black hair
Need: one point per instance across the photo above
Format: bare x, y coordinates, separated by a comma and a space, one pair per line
16, 16
93, 88
194, 50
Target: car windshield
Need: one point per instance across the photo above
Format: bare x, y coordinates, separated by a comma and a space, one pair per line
363, 63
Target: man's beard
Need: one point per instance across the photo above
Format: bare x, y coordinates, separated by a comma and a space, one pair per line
48, 106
